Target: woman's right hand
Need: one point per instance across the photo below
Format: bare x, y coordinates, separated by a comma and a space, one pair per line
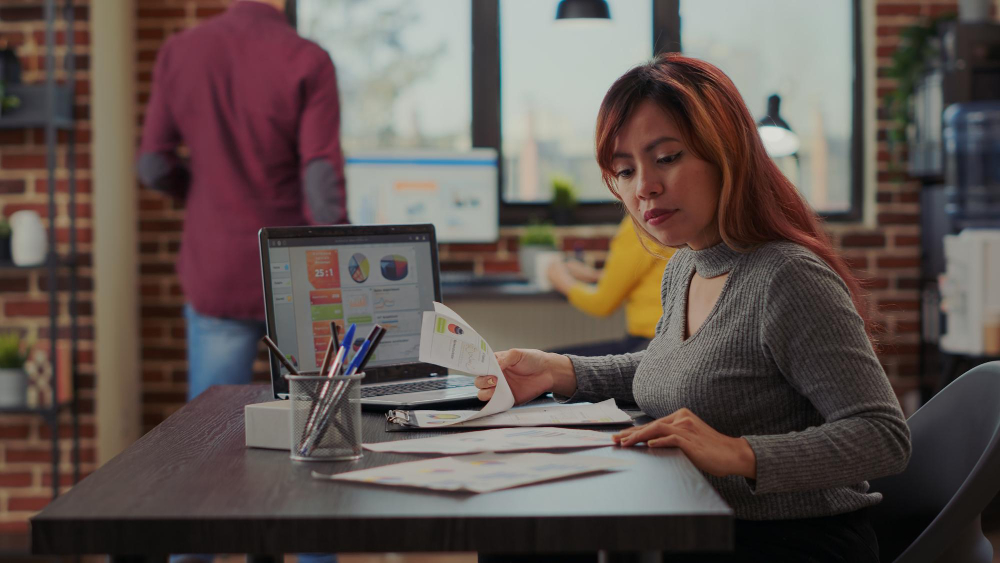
530, 373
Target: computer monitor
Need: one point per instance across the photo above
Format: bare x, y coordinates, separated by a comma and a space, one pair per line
455, 191
364, 275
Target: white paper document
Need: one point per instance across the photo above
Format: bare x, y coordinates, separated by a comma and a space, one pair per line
481, 473
498, 440
448, 341
605, 412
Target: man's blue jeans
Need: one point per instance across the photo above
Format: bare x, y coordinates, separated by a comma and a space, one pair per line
221, 352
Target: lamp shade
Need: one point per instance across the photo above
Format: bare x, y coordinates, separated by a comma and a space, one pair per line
583, 9
779, 139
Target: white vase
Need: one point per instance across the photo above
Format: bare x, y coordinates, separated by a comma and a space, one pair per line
28, 243
13, 387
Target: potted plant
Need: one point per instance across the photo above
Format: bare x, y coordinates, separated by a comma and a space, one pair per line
5, 257
563, 200
13, 379
7, 102
536, 238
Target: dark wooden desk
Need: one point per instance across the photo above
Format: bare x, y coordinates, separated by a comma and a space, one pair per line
191, 486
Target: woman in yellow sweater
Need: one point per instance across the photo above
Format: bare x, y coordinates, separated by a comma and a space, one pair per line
630, 274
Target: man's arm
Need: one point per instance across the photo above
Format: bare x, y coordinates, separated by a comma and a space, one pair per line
319, 146
159, 167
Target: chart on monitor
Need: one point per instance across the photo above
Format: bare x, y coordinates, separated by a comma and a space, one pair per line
456, 191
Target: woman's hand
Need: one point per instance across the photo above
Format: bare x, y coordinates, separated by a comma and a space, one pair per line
530, 373
710, 451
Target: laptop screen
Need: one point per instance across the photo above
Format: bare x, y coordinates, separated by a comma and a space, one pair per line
345, 275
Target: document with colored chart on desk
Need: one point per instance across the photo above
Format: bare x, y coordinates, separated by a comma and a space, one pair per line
448, 341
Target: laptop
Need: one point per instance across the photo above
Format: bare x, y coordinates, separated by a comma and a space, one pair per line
366, 275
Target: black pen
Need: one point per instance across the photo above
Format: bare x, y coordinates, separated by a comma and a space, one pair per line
281, 357
371, 349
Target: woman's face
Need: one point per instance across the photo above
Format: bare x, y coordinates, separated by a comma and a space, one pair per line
671, 192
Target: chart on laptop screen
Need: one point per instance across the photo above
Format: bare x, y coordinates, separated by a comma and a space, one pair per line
363, 280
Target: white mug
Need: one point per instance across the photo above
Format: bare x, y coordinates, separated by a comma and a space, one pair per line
28, 243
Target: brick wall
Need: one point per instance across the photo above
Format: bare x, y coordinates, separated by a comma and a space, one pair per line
25, 462
886, 255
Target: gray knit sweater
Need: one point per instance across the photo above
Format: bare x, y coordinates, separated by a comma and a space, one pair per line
783, 361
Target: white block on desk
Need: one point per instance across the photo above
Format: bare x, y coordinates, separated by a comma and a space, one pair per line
268, 425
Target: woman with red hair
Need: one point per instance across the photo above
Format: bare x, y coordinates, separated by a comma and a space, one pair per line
762, 369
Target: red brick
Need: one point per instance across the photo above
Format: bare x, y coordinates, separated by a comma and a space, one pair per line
152, 332
161, 398
161, 226
81, 37
899, 305
14, 431
152, 204
885, 51
149, 33
26, 504
21, 13
907, 327
14, 527
883, 197
11, 186
897, 10
83, 186
65, 480
898, 218
161, 13
14, 284
147, 56
162, 312
84, 235
66, 431
897, 262
874, 283
13, 136
22, 161
501, 266
24, 455
908, 283
19, 479
906, 240
856, 262
156, 269
34, 308
492, 248
862, 240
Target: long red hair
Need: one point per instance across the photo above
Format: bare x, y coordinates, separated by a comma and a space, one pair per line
758, 204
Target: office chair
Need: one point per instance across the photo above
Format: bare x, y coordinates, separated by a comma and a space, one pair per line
931, 512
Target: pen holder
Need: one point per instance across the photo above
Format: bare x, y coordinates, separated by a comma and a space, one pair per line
326, 417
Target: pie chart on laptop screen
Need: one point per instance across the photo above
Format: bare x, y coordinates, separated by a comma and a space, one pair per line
394, 267
357, 266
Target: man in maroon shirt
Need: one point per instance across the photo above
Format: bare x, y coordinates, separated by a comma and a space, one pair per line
257, 107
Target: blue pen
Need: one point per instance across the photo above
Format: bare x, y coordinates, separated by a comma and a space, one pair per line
357, 358
348, 341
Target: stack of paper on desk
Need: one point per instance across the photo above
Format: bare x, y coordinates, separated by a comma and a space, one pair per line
448, 341
481, 473
583, 414
498, 440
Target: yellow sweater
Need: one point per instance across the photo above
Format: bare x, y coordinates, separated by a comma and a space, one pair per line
630, 274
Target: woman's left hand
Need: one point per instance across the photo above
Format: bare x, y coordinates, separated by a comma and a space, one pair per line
710, 451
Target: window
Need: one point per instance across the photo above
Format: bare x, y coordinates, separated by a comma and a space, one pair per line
534, 87
804, 52
553, 76
403, 69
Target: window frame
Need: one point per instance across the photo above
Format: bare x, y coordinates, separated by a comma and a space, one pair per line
486, 108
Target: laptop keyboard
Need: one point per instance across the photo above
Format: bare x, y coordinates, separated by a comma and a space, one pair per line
416, 387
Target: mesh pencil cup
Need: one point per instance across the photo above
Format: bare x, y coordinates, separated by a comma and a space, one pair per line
326, 417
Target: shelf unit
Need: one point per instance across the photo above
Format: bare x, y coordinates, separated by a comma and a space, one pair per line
49, 106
